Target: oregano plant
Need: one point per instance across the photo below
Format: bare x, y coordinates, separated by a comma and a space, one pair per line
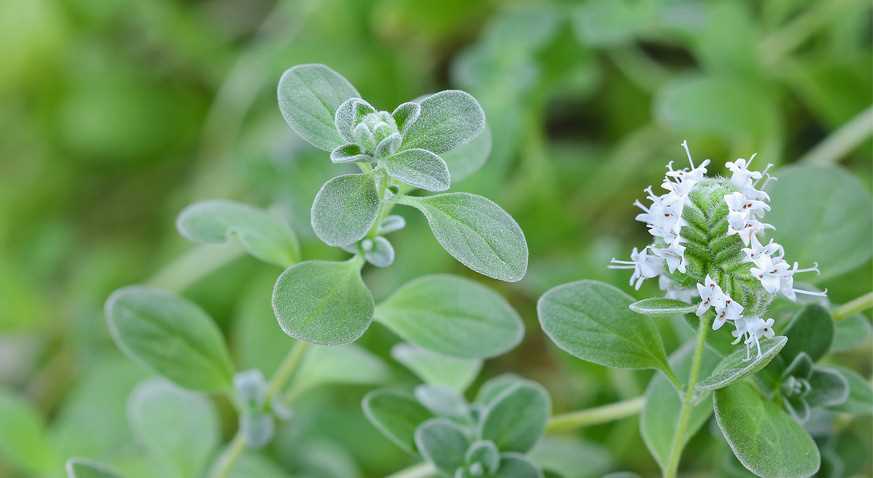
421, 145
717, 269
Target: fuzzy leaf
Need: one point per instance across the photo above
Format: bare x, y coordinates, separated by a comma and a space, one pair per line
23, 440
345, 209
157, 407
661, 410
453, 316
569, 456
171, 336
263, 236
348, 153
516, 419
419, 168
323, 302
378, 251
436, 368
467, 158
850, 333
477, 232
309, 96
516, 465
828, 388
442, 401
486, 454
766, 440
81, 468
348, 114
442, 443
860, 399
736, 366
662, 307
824, 215
810, 331
494, 388
591, 321
397, 415
447, 119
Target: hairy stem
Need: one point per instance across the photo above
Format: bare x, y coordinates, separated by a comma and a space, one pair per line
225, 462
854, 306
687, 405
842, 141
595, 416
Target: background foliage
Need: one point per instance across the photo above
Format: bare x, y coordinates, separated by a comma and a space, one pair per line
115, 115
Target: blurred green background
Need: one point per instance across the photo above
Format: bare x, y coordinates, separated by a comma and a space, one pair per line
116, 114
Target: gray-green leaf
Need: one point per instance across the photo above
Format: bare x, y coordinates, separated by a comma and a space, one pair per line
453, 316
516, 465
860, 399
477, 232
737, 365
828, 388
436, 368
516, 419
419, 168
178, 428
171, 336
447, 119
344, 364
263, 236
467, 158
442, 401
766, 440
344, 209
309, 96
824, 215
442, 443
591, 320
397, 415
323, 302
662, 307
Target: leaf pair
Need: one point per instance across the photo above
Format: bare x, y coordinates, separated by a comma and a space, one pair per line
327, 303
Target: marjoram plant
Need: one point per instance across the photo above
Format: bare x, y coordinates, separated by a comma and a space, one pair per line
449, 324
715, 268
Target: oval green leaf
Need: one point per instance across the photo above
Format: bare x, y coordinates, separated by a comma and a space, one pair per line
592, 321
179, 428
516, 419
345, 209
766, 440
171, 336
477, 232
437, 369
516, 465
447, 119
737, 366
828, 388
824, 215
452, 316
442, 443
810, 331
662, 307
860, 398
467, 158
397, 415
309, 96
323, 302
81, 468
216, 222
344, 364
419, 168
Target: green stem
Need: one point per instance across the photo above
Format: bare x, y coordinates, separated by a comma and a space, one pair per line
853, 307
842, 141
595, 416
228, 457
421, 470
286, 369
679, 437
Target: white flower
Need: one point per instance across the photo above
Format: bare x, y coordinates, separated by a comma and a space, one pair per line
745, 226
729, 310
663, 217
750, 330
786, 284
757, 249
747, 181
673, 255
770, 271
645, 266
739, 203
709, 291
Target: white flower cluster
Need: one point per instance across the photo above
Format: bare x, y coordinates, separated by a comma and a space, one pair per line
746, 206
